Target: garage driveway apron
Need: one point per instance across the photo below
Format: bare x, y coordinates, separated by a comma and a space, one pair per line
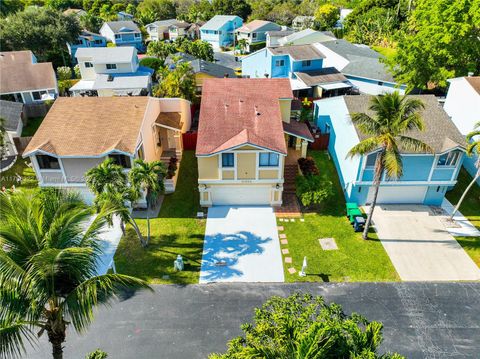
241, 245
420, 247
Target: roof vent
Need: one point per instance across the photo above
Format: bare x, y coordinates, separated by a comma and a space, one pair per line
110, 78
257, 113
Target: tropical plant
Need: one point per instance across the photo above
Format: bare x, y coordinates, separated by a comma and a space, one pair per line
48, 259
393, 117
160, 49
178, 80
76, 70
473, 149
312, 190
106, 173
242, 45
64, 73
232, 7
97, 354
3, 142
306, 110
303, 326
326, 16
147, 177
151, 10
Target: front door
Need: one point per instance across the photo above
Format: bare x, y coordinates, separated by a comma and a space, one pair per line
291, 141
171, 139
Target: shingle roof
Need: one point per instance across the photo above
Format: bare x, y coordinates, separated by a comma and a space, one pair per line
202, 66
298, 52
170, 119
107, 55
279, 33
319, 36
167, 22
298, 129
323, 76
241, 111
474, 82
364, 62
11, 112
218, 21
116, 26
90, 126
18, 73
255, 25
440, 132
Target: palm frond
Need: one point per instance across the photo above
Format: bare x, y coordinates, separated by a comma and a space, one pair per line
12, 335
410, 144
364, 147
392, 162
365, 123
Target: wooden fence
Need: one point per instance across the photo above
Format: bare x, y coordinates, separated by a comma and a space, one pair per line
21, 143
189, 140
321, 141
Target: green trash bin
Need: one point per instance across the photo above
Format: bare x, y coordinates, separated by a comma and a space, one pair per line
354, 213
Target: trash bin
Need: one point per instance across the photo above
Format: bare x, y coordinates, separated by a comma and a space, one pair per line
358, 223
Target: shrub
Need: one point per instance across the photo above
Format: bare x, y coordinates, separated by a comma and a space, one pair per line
257, 46
308, 166
97, 354
152, 63
111, 44
312, 191
64, 73
76, 69
172, 167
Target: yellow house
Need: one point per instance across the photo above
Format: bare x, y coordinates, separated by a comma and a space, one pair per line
246, 141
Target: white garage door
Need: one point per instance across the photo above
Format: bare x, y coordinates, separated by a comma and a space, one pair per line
241, 195
399, 194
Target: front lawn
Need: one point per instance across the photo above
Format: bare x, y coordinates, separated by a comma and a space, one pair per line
470, 208
20, 175
175, 231
355, 260
32, 126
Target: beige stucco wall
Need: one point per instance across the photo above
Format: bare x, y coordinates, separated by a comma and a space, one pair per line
268, 174
228, 175
208, 167
75, 168
285, 109
246, 165
247, 148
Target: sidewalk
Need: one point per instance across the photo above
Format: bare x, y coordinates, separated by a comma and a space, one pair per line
466, 229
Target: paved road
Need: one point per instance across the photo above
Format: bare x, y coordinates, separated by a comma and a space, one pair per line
227, 59
421, 320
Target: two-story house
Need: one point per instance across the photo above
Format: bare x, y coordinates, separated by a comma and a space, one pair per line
426, 176
255, 32
246, 141
85, 39
123, 33
302, 64
111, 71
305, 37
463, 106
25, 80
159, 30
220, 30
79, 133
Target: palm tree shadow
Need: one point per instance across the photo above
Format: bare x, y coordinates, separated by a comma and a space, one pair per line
223, 251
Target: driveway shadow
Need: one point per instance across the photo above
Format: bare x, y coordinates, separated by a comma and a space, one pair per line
223, 251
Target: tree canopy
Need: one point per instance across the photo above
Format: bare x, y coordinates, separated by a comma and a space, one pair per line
326, 16
232, 7
152, 10
178, 80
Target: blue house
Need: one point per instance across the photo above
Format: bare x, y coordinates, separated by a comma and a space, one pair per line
86, 39
302, 64
123, 33
426, 176
220, 30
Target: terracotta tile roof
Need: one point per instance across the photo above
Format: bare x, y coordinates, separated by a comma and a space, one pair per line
90, 126
170, 119
20, 74
323, 76
474, 82
298, 52
241, 111
298, 129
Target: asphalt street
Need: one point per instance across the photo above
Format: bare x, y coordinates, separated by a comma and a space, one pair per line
421, 320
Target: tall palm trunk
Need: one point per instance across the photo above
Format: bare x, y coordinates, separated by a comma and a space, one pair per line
56, 331
376, 186
475, 179
137, 230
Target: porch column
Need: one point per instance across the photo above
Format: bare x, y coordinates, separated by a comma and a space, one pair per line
304, 148
178, 143
298, 143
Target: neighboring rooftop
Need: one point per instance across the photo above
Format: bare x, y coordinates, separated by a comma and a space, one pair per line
202, 66
323, 76
298, 129
218, 21
255, 25
170, 119
279, 33
121, 26
16, 57
474, 81
440, 133
107, 55
76, 12
235, 112
88, 34
77, 118
316, 36
167, 22
298, 52
11, 112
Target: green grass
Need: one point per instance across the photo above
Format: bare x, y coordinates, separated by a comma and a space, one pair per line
175, 231
19, 175
388, 52
470, 208
32, 126
355, 260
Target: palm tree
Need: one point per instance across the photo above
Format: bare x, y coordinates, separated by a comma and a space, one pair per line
473, 148
106, 173
48, 256
148, 178
3, 142
394, 116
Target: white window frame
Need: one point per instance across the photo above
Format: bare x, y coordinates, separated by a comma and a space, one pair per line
279, 63
450, 155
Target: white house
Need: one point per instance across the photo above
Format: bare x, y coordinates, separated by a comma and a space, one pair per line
111, 71
123, 33
159, 30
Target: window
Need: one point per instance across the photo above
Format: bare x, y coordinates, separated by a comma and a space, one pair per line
269, 159
371, 160
254, 35
279, 63
98, 42
306, 63
215, 32
137, 35
117, 36
220, 32
448, 159
48, 162
88, 64
37, 95
228, 160
78, 42
111, 66
121, 160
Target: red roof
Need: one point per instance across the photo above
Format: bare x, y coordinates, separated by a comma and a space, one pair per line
237, 112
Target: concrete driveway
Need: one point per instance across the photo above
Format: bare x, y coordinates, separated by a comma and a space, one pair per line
241, 245
420, 247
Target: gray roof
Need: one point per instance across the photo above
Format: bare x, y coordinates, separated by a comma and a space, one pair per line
279, 33
167, 22
440, 133
116, 26
106, 55
202, 66
364, 62
122, 81
11, 112
298, 52
218, 21
323, 76
319, 36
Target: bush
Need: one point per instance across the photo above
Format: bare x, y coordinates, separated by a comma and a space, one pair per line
312, 191
172, 167
257, 46
111, 44
64, 73
97, 354
152, 62
76, 69
308, 166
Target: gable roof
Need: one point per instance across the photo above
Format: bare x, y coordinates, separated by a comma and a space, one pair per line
11, 112
89, 35
440, 133
167, 22
18, 73
298, 52
279, 33
256, 25
323, 76
107, 55
474, 81
235, 112
118, 26
317, 36
202, 66
90, 126
218, 21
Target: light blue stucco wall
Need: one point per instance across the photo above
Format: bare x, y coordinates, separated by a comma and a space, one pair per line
224, 35
314, 65
469, 164
85, 43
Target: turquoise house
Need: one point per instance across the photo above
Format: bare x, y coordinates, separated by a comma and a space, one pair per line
85, 39
426, 176
220, 30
